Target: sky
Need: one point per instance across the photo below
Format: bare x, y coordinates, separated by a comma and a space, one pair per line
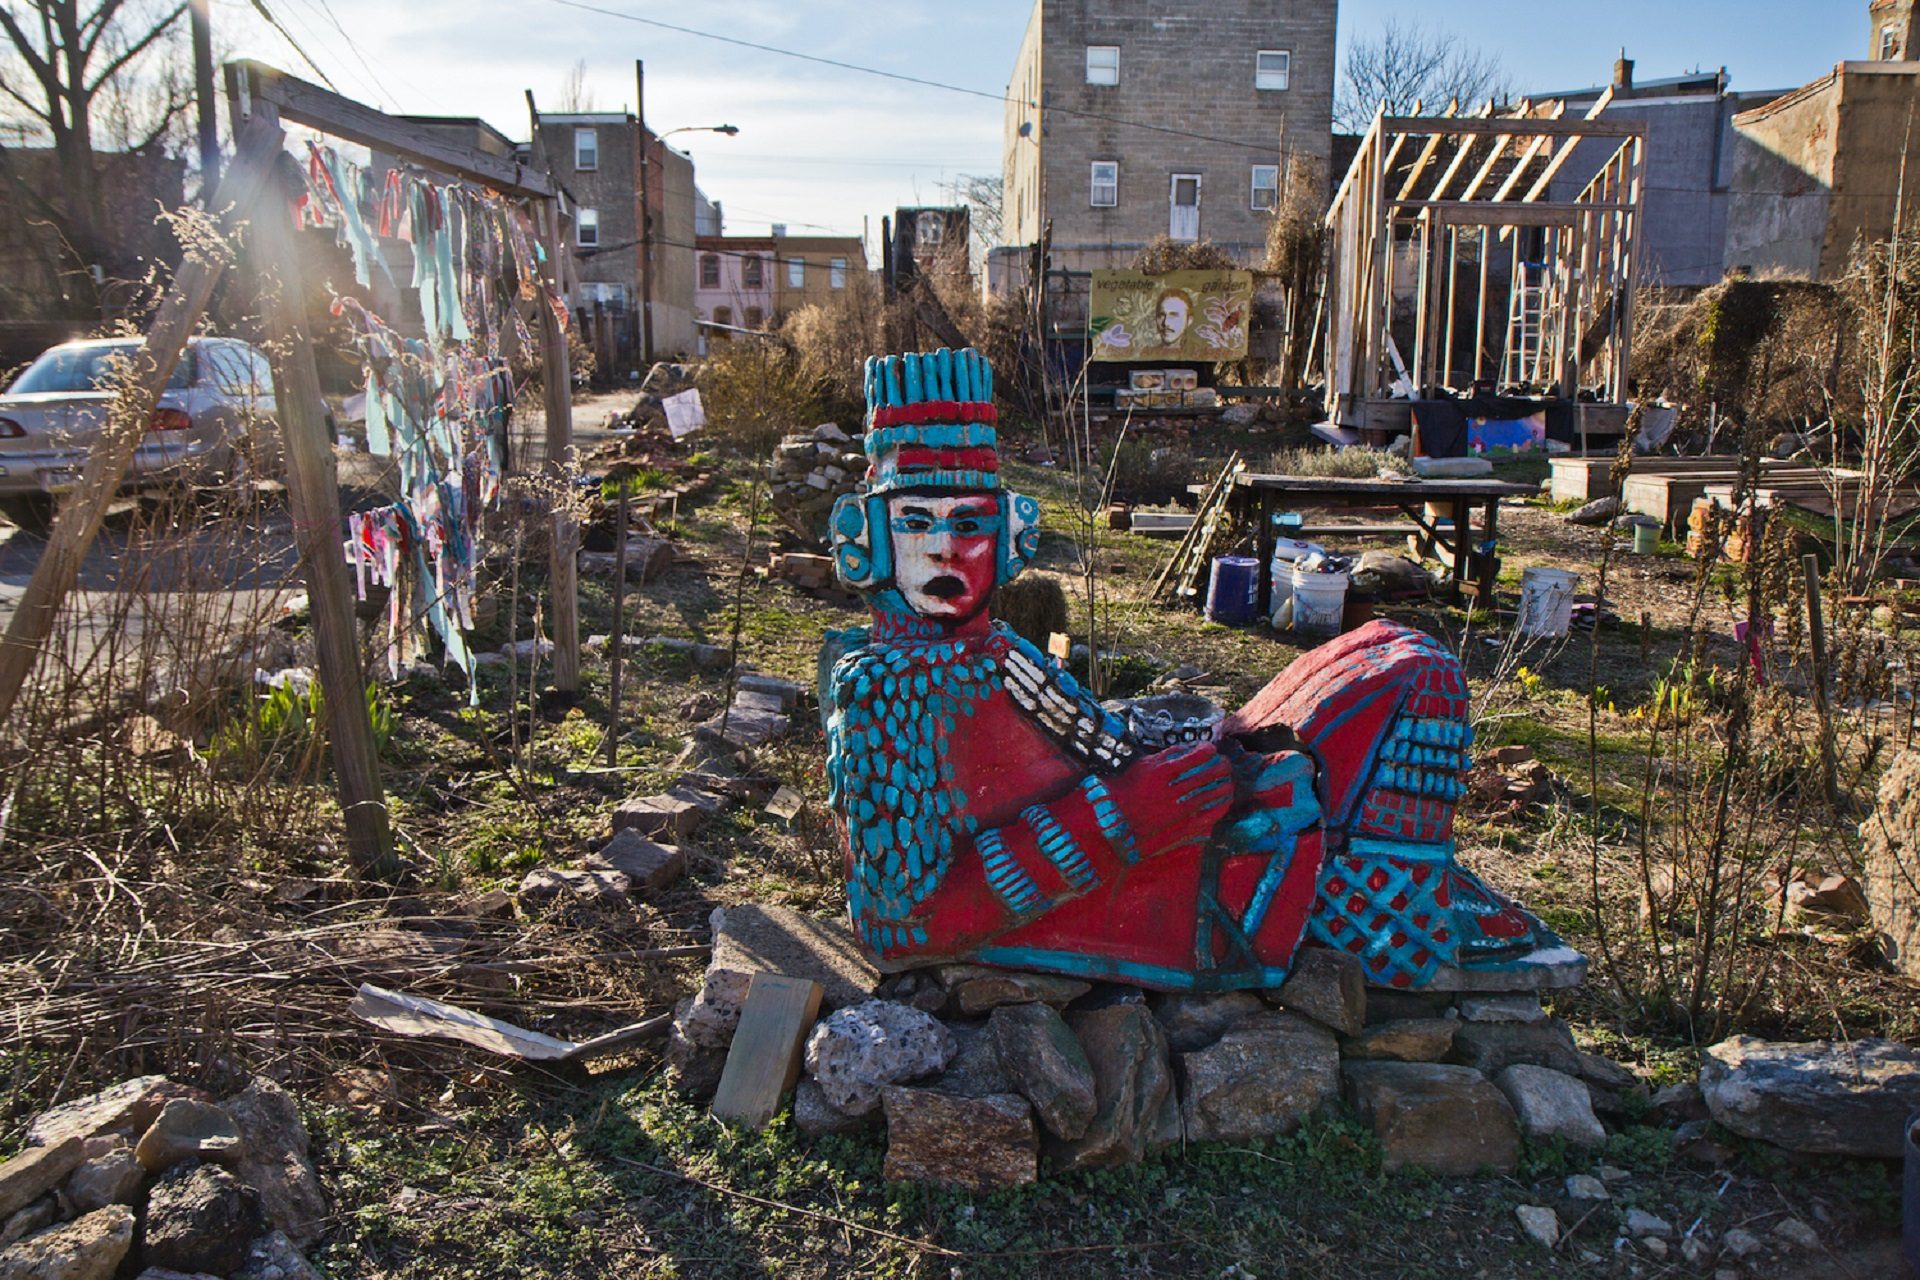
822, 148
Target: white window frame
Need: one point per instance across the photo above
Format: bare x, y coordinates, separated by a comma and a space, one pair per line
1273, 81
586, 228
750, 266
591, 152
837, 273
1100, 72
1110, 188
796, 273
1889, 41
1271, 188
710, 260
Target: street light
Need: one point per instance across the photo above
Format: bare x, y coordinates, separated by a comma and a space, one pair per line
646, 219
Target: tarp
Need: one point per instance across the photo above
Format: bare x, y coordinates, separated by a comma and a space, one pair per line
1182, 315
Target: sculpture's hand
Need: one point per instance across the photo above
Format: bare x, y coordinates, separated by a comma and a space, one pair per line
1174, 798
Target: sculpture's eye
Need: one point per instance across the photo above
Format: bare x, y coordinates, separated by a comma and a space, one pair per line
914, 524
969, 526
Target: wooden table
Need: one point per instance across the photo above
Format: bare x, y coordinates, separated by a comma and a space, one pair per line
1256, 496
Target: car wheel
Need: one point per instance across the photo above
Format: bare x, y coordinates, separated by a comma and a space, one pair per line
32, 512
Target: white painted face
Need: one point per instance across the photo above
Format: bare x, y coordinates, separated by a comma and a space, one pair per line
944, 552
1172, 320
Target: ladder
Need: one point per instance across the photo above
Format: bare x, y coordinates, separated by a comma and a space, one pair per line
1525, 313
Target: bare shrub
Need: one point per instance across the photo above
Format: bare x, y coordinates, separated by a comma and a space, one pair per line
755, 390
1164, 254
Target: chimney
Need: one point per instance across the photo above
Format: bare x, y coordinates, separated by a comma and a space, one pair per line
779, 228
1623, 71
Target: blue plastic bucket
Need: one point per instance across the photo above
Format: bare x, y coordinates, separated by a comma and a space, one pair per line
1233, 590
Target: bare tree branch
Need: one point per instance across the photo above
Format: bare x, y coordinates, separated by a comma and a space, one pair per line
160, 28
1410, 70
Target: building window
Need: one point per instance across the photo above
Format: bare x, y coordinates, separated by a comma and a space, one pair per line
928, 228
1266, 186
1104, 191
837, 273
1270, 68
723, 316
1889, 44
753, 318
1103, 64
754, 275
796, 273
586, 227
586, 149
709, 271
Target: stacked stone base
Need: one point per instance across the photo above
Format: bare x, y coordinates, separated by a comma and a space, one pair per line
985, 1078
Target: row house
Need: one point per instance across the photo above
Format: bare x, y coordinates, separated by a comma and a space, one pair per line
753, 283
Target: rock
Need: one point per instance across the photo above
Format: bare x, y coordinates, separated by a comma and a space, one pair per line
1821, 1097
1540, 1223
1239, 415
113, 1178
1613, 1091
1741, 1243
1502, 1008
1584, 1186
753, 938
275, 1159
785, 692
1328, 986
1262, 1079
980, 1144
1132, 1083
975, 1070
1386, 1004
1797, 1233
201, 1218
707, 657
1598, 512
695, 1067
36, 1171
975, 989
853, 1053
128, 1107
744, 725
1641, 1223
1196, 1021
40, 1213
88, 1248
648, 867
1694, 1142
1835, 897
667, 819
550, 884
1656, 1247
1446, 1119
1047, 1065
1696, 1252
1890, 864
274, 1257
813, 1114
494, 904
1408, 1040
1552, 969
1676, 1104
1492, 1047
1551, 1104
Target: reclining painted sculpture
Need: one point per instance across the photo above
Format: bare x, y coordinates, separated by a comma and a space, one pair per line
995, 812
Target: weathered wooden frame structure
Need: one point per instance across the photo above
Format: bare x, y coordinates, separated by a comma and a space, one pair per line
1434, 181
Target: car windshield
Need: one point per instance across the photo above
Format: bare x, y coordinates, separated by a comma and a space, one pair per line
86, 368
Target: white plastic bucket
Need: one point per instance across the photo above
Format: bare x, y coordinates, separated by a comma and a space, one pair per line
1546, 601
1319, 600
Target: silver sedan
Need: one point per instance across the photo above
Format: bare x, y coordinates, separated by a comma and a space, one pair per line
213, 420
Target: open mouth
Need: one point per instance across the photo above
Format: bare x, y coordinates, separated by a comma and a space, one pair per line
946, 587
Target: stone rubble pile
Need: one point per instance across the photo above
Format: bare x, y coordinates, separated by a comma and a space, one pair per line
154, 1179
810, 469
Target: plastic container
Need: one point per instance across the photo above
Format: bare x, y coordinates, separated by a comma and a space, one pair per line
1233, 590
1319, 601
1546, 601
1646, 539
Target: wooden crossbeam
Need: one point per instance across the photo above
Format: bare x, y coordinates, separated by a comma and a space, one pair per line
1586, 127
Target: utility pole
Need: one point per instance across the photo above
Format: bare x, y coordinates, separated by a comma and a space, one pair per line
203, 93
646, 216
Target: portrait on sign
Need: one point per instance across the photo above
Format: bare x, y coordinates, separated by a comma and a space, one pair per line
1181, 315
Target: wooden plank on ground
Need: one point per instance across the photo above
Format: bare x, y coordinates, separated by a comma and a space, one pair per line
764, 1061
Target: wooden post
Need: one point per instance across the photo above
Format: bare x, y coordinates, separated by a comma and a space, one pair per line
617, 641
1817, 639
646, 215
313, 495
82, 510
557, 383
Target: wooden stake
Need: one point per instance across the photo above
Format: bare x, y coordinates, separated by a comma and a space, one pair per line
557, 381
82, 511
313, 494
1817, 638
617, 641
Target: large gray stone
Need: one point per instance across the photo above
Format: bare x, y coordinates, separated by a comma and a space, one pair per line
1408, 1040
1821, 1097
1447, 1119
1551, 1104
974, 1071
976, 989
694, 1066
559, 884
201, 1218
648, 867
126, 1108
1048, 1067
1196, 1021
186, 1129
36, 1171
980, 1144
1261, 1079
36, 1216
1547, 969
667, 819
855, 1052
1328, 986
751, 938
1387, 1004
1492, 1047
813, 1114
113, 1178
88, 1248
1890, 863
275, 1159
1132, 1083
274, 1257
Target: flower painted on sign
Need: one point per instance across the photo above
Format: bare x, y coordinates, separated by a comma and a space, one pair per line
1115, 335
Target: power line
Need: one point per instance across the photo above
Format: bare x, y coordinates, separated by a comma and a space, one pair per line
260, 7
327, 8
1001, 98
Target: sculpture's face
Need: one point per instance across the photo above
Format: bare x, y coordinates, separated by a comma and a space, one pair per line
1172, 319
945, 551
